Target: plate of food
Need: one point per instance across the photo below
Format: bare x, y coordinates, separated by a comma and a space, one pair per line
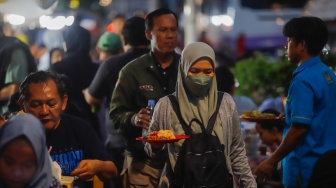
162, 136
257, 116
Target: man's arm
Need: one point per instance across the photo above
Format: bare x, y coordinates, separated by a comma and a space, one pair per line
292, 139
90, 99
9, 90
123, 104
98, 88
105, 170
16, 72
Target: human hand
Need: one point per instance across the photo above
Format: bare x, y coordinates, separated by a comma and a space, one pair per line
264, 170
281, 116
142, 119
86, 169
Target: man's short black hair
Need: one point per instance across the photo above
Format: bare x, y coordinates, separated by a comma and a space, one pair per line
269, 125
158, 12
134, 32
42, 77
312, 30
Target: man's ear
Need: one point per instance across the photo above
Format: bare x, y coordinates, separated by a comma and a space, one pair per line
148, 34
303, 45
64, 102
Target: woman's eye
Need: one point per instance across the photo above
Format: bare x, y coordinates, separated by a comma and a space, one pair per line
208, 72
34, 104
8, 162
29, 165
193, 71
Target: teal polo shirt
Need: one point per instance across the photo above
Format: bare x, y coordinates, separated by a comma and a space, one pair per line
312, 101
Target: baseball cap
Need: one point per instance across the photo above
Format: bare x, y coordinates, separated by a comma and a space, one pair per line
109, 42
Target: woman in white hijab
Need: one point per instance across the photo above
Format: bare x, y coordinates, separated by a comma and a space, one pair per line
24, 158
196, 93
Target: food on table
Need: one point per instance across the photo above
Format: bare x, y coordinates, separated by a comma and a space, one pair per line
161, 135
257, 114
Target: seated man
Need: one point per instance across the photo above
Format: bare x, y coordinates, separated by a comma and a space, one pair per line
75, 145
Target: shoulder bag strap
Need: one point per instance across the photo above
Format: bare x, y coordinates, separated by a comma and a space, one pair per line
214, 115
176, 108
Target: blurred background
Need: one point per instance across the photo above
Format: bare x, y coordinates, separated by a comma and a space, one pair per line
233, 27
246, 34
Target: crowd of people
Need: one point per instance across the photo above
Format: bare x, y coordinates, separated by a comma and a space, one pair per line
87, 116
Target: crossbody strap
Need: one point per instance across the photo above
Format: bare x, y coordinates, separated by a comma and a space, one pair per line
212, 120
176, 108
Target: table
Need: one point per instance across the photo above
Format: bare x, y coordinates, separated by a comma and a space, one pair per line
67, 181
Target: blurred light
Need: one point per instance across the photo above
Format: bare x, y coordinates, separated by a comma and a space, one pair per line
69, 20
44, 20
56, 23
223, 19
105, 3
227, 20
187, 10
279, 21
74, 4
216, 20
15, 19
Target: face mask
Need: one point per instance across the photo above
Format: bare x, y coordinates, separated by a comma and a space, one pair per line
198, 85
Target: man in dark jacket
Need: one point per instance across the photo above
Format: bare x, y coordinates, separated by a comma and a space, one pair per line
148, 77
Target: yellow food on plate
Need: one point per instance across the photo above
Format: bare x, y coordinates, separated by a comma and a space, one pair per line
257, 114
161, 135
